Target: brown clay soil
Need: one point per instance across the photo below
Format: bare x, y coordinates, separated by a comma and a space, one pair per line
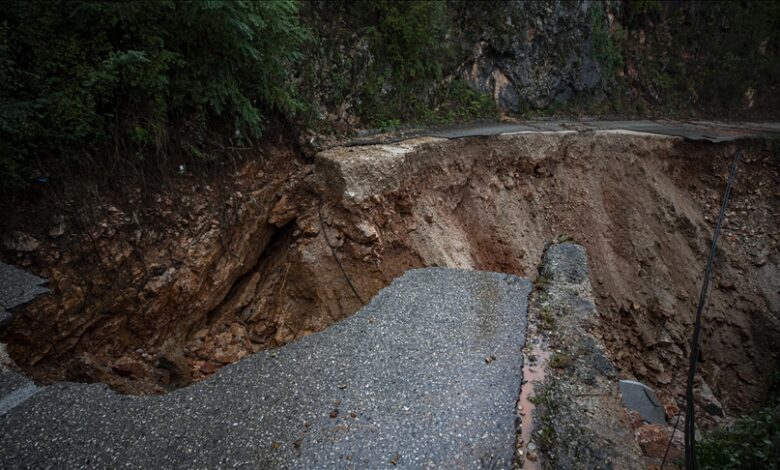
206, 274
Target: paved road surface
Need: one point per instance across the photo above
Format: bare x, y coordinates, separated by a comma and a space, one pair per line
712, 131
404, 381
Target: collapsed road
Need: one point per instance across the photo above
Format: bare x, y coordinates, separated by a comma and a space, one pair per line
485, 198
425, 376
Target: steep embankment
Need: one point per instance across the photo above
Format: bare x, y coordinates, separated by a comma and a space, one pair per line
144, 309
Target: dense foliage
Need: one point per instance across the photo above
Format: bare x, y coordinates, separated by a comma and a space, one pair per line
738, 47
80, 78
606, 44
133, 84
751, 442
403, 54
718, 57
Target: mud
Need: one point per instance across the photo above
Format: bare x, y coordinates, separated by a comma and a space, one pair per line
533, 375
147, 308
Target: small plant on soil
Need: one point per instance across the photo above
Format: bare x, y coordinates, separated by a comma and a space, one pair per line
389, 125
752, 442
541, 283
563, 238
547, 438
560, 361
547, 319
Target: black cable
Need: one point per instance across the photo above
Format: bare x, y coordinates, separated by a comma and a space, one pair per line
333, 250
669, 444
690, 427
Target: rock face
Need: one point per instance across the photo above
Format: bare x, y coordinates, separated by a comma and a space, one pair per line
532, 54
527, 54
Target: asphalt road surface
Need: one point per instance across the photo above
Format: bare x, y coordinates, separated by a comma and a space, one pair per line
711, 131
424, 376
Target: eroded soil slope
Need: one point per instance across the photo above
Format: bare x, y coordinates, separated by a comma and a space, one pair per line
255, 270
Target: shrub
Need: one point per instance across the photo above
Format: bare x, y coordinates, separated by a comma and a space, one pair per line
81, 79
751, 442
607, 45
408, 42
560, 361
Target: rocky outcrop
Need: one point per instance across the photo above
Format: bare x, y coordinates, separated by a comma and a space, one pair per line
531, 54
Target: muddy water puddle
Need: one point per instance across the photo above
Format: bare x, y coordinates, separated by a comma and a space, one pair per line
534, 363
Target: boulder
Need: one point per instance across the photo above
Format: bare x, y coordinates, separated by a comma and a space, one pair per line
20, 241
642, 399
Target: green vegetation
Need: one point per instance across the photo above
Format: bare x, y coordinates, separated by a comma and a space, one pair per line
541, 283
638, 10
456, 101
536, 399
81, 80
138, 87
738, 44
607, 45
547, 438
139, 84
563, 238
547, 319
712, 58
560, 361
751, 442
389, 125
403, 73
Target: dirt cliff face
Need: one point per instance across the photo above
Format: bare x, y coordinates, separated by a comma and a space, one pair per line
133, 282
258, 265
636, 206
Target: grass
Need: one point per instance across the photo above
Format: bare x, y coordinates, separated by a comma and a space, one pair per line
560, 361
547, 319
536, 399
547, 438
542, 282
